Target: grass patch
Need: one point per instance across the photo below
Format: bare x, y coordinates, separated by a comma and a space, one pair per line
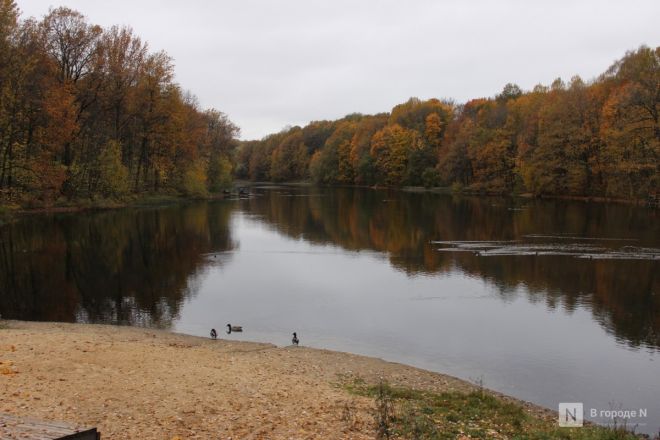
414, 414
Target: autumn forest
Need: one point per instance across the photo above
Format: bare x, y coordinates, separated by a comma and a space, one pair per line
597, 138
87, 112
91, 113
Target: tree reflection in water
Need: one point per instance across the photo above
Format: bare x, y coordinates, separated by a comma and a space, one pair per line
130, 266
622, 294
136, 266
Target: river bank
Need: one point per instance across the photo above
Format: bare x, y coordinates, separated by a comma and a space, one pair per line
651, 201
9, 212
137, 383
13, 211
152, 384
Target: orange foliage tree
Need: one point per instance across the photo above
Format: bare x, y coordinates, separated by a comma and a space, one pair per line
89, 112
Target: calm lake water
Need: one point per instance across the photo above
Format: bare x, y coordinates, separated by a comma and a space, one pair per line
547, 301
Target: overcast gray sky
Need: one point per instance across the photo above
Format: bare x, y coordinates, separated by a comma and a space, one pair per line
268, 63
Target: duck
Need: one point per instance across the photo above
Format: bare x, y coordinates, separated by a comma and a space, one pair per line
295, 341
214, 334
234, 328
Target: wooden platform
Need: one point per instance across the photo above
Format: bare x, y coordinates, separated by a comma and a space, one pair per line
26, 429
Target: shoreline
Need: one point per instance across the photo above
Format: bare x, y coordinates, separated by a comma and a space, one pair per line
142, 383
9, 213
447, 190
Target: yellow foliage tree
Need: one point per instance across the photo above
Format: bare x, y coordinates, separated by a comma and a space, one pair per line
390, 148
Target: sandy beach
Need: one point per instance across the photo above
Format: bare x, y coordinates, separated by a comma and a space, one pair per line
136, 383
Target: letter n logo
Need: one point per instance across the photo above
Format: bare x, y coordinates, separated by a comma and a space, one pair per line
571, 415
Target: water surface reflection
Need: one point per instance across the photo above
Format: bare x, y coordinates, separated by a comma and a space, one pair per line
548, 301
131, 267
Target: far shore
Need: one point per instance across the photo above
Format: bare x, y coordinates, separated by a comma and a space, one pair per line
448, 190
10, 212
153, 384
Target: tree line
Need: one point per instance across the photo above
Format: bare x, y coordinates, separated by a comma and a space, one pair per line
92, 112
596, 138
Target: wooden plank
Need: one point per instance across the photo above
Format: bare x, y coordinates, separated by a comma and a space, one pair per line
12, 427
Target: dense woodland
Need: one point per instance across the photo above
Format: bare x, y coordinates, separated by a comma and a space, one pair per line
598, 138
87, 112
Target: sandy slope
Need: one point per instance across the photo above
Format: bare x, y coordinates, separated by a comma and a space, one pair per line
145, 384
